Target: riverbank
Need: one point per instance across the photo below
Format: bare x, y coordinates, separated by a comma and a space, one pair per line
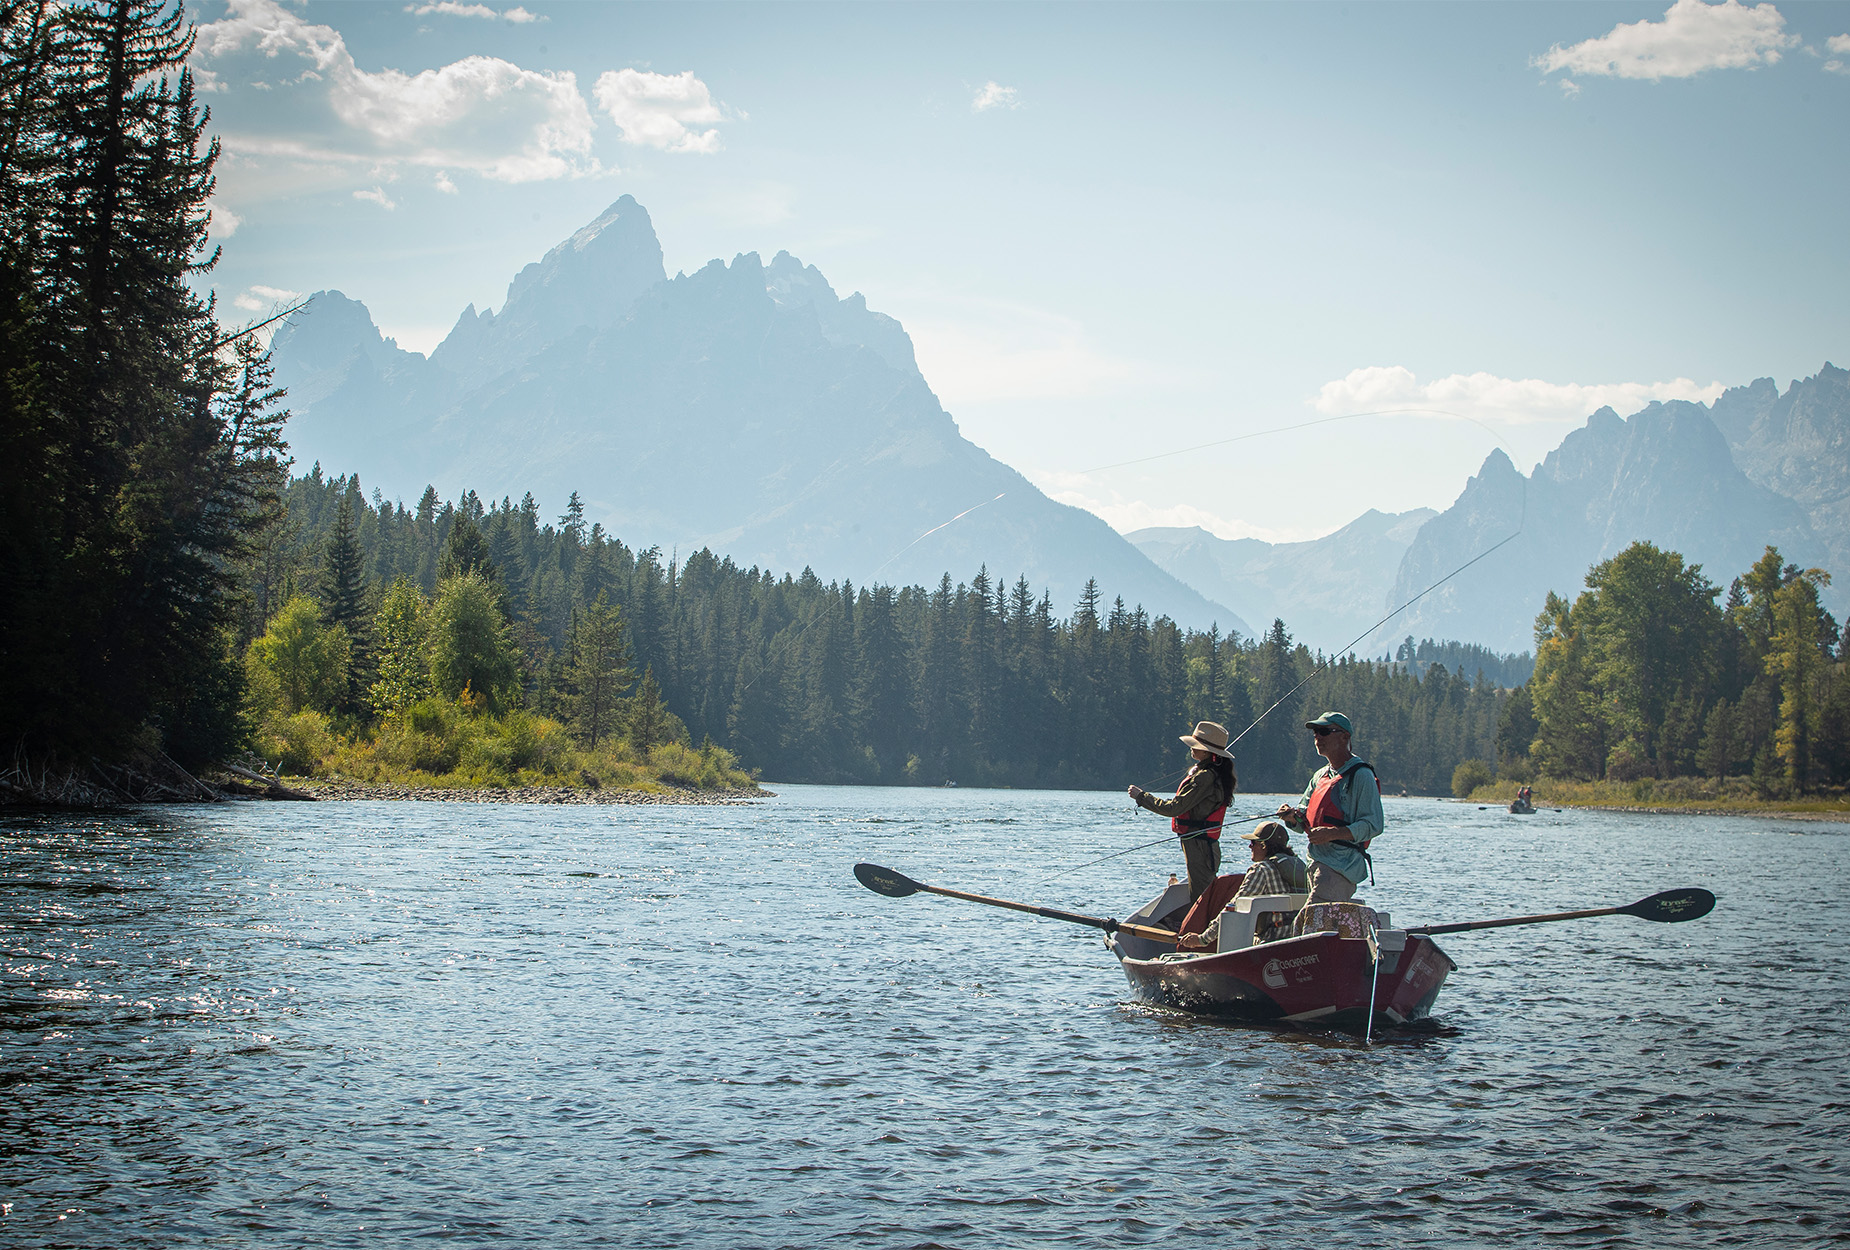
1731, 796
339, 789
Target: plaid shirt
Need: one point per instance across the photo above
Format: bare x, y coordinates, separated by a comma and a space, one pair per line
1283, 873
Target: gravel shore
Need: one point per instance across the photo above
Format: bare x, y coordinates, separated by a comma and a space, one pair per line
336, 789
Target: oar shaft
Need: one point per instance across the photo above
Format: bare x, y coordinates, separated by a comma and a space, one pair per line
1510, 920
1146, 931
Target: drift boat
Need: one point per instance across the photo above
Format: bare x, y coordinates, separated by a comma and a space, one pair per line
1354, 970
1328, 979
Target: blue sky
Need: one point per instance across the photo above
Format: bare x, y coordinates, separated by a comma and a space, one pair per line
1112, 231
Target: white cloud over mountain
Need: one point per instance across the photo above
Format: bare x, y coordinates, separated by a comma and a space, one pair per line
1491, 399
481, 114
1692, 37
657, 110
261, 298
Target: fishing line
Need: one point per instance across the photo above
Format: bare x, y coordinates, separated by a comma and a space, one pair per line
933, 530
1522, 521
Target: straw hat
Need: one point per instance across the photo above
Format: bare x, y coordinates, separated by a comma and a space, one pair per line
1209, 737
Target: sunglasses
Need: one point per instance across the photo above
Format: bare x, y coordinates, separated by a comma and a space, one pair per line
1321, 730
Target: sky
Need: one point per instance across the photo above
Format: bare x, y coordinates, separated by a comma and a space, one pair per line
1145, 252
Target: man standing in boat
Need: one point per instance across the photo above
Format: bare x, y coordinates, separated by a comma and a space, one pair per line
1199, 804
1341, 814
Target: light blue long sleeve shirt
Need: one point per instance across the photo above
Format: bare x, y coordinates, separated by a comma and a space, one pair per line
1358, 797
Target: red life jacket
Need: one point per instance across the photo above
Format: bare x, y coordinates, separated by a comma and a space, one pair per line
1195, 827
1323, 809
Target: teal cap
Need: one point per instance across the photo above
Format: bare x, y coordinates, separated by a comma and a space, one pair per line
1332, 720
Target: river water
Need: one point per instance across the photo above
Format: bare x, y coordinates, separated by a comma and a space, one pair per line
366, 1024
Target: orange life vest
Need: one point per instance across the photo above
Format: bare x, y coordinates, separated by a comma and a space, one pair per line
1199, 826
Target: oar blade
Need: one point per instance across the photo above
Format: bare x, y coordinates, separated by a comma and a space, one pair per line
885, 881
1672, 906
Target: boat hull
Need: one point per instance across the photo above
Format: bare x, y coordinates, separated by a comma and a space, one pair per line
1320, 978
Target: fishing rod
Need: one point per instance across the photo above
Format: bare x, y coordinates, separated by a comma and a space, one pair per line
1521, 522
1144, 846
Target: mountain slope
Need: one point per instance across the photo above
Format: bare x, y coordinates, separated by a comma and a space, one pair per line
1798, 445
743, 407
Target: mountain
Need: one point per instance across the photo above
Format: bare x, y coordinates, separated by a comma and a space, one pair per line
1666, 475
1329, 590
745, 407
1798, 445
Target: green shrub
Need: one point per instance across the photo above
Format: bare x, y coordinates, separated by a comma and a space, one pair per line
1469, 775
295, 744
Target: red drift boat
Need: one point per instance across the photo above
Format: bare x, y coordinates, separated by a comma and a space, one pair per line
1328, 979
1354, 971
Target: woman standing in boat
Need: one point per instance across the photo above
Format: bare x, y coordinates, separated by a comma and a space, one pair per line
1199, 804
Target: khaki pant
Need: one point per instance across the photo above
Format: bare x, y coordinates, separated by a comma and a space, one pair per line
1203, 857
1326, 886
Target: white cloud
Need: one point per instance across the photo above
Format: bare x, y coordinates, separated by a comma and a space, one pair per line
260, 298
442, 182
224, 222
377, 196
1839, 46
1692, 37
450, 8
1506, 401
481, 114
994, 95
656, 110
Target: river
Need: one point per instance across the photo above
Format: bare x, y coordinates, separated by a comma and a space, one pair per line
364, 1024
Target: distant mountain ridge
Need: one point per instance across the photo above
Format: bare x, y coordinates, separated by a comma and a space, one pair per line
1667, 475
1328, 590
744, 407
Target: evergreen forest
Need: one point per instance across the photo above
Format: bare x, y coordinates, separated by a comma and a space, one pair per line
981, 682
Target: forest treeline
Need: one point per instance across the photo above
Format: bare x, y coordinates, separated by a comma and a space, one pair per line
1646, 675
978, 682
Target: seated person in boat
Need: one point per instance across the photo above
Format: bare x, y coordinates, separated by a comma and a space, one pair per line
1199, 803
1341, 814
1276, 870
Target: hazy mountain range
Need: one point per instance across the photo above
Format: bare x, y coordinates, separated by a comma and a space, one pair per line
748, 408
1716, 484
745, 407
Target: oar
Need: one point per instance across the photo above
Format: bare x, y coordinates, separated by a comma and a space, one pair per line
1670, 906
899, 885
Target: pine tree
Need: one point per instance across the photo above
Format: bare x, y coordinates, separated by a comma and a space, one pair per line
650, 722
599, 673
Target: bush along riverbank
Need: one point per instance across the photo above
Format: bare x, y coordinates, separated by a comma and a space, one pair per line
1727, 795
455, 748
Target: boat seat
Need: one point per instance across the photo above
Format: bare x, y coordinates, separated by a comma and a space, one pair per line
1243, 917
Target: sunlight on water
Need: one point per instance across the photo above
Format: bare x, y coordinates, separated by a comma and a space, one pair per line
358, 1024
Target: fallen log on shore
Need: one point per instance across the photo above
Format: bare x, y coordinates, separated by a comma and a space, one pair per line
272, 788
